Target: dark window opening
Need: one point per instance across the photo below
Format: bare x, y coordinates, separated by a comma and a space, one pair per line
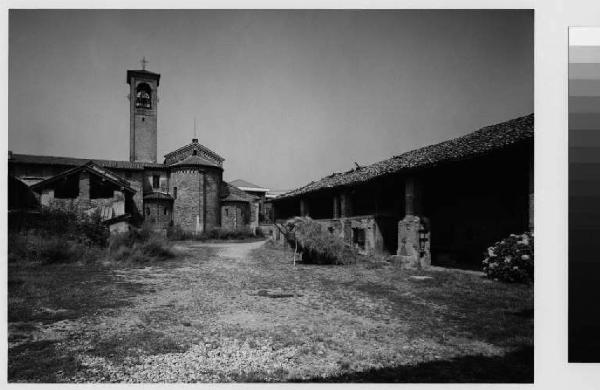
195, 152
227, 212
165, 211
67, 189
143, 96
100, 189
358, 237
155, 181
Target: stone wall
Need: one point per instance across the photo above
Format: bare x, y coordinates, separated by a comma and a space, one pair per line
349, 229
107, 207
158, 213
187, 208
213, 198
234, 215
163, 181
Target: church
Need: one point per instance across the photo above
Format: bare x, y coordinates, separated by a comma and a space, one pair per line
186, 189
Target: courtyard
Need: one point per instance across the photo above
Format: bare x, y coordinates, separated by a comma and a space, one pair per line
242, 312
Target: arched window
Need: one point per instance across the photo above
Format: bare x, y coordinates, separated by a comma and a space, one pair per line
143, 96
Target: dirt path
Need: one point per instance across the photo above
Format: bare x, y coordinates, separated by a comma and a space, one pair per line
223, 312
235, 250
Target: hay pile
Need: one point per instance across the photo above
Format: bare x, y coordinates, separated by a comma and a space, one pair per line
318, 246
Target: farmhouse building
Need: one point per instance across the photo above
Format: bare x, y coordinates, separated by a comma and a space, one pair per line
186, 189
442, 204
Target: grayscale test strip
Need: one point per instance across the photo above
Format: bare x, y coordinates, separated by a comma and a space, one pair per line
584, 194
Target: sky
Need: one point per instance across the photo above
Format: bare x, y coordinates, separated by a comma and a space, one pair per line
286, 97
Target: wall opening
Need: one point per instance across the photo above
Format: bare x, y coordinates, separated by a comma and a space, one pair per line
67, 188
143, 96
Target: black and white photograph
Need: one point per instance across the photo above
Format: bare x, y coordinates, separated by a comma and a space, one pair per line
263, 195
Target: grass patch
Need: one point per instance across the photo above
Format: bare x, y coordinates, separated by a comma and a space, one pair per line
40, 361
117, 347
63, 291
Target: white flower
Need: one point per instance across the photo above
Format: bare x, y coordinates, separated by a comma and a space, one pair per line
507, 259
491, 252
515, 267
525, 257
486, 260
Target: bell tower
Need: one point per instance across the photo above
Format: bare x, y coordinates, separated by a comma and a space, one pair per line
143, 99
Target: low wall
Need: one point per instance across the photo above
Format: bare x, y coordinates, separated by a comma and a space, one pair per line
363, 232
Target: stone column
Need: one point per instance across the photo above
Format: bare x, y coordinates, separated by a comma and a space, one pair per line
304, 208
346, 204
413, 251
336, 206
47, 196
84, 186
118, 205
531, 191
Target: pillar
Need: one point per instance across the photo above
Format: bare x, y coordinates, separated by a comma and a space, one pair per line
336, 206
47, 196
84, 186
346, 204
304, 208
413, 229
118, 205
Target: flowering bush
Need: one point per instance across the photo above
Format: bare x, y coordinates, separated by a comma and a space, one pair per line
511, 260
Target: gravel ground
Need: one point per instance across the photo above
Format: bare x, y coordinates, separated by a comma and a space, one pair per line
242, 312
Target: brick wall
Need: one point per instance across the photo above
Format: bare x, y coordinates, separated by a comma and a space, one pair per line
234, 215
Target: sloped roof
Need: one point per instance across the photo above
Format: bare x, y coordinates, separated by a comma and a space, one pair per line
233, 194
194, 161
71, 161
194, 145
92, 168
246, 185
482, 141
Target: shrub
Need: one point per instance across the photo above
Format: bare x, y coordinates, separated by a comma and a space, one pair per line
511, 259
57, 250
320, 247
139, 246
70, 224
157, 248
49, 249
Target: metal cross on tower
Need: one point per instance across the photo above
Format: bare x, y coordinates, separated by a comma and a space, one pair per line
144, 63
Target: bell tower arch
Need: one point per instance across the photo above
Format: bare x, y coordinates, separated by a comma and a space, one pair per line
143, 99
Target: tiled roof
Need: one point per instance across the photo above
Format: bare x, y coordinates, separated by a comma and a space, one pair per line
482, 141
246, 184
157, 196
194, 145
193, 161
71, 161
233, 194
90, 167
